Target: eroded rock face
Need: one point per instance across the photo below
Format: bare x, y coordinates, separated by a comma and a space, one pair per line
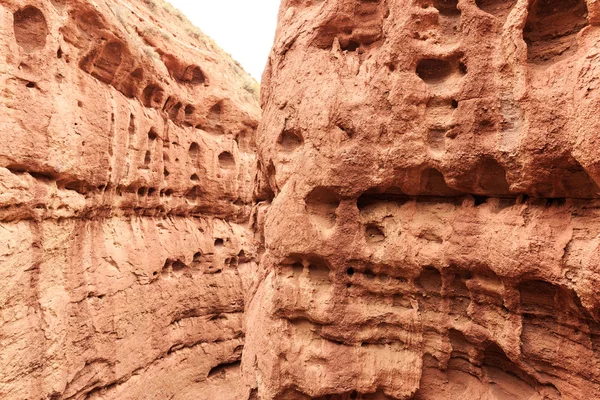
434, 229
422, 195
127, 173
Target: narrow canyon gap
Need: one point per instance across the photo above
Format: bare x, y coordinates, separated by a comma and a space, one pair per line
415, 213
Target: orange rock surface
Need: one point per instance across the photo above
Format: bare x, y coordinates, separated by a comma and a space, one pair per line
434, 228
127, 172
415, 217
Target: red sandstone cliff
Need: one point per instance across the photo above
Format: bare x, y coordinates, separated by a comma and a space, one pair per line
127, 171
421, 195
437, 163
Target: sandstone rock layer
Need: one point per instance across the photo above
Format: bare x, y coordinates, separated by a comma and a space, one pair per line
416, 216
127, 176
433, 232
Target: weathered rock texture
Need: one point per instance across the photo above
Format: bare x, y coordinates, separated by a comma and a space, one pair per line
434, 232
127, 171
423, 196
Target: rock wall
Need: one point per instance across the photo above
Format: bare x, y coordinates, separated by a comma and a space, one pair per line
422, 196
434, 227
127, 175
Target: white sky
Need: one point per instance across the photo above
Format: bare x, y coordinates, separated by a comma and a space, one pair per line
243, 28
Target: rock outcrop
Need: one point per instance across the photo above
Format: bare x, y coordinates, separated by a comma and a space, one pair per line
433, 232
127, 175
416, 217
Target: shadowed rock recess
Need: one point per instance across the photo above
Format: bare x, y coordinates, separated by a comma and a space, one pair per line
417, 215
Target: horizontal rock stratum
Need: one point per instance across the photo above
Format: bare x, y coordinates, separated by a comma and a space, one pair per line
415, 215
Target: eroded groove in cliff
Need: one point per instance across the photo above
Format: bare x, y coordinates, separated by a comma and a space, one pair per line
551, 29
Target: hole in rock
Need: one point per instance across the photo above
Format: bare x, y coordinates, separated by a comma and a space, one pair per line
556, 202
219, 243
290, 140
131, 128
193, 193
480, 200
30, 85
458, 291
447, 7
433, 71
347, 128
575, 180
459, 358
152, 135
194, 178
321, 205
189, 109
105, 67
351, 45
147, 158
297, 268
350, 271
253, 394
137, 74
551, 29
214, 114
221, 369
373, 197
30, 29
174, 112
77, 186
193, 74
197, 256
433, 183
178, 266
130, 87
152, 96
374, 234
493, 178
226, 160
194, 149
538, 297
511, 380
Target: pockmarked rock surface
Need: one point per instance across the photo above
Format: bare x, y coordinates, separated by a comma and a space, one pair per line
434, 228
127, 174
415, 217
